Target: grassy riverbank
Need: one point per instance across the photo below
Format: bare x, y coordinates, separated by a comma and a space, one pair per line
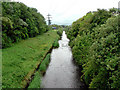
36, 82
20, 61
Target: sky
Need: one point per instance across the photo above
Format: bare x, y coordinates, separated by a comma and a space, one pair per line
65, 12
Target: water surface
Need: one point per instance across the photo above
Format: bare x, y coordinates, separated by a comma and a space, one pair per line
62, 72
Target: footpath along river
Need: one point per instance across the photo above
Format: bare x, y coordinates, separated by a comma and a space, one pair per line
62, 72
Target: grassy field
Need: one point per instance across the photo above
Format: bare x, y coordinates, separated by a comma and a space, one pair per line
20, 60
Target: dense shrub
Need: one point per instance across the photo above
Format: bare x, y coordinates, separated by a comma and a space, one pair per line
20, 22
89, 21
96, 46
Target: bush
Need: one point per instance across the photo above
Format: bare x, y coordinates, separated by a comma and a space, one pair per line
20, 22
97, 49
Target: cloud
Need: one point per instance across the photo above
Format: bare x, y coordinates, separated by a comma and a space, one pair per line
67, 11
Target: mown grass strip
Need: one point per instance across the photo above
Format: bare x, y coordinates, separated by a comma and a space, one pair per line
20, 61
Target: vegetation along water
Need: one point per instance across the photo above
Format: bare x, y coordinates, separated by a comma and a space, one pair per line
95, 42
92, 41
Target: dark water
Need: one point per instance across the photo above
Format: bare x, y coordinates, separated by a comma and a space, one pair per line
62, 72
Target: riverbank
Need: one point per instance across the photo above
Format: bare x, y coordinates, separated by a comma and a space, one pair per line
36, 80
20, 61
95, 47
41, 70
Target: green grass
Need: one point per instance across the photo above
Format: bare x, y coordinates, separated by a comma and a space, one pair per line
56, 44
59, 32
20, 60
36, 81
44, 64
42, 69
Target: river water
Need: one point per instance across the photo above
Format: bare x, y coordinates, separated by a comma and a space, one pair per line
62, 72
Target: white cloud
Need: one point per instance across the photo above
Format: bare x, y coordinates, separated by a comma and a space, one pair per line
67, 11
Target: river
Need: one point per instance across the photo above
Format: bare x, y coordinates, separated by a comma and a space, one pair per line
62, 72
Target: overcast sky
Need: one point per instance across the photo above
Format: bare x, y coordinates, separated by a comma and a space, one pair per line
64, 12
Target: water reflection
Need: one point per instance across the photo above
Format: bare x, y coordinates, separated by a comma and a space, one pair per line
62, 73
64, 41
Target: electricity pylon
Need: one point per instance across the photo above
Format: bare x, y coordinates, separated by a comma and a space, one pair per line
49, 21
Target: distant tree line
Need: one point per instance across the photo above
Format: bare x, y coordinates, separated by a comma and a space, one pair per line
20, 22
95, 42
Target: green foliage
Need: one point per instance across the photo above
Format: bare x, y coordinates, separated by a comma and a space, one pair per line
89, 21
20, 60
20, 22
36, 82
60, 31
114, 10
44, 64
56, 44
96, 46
